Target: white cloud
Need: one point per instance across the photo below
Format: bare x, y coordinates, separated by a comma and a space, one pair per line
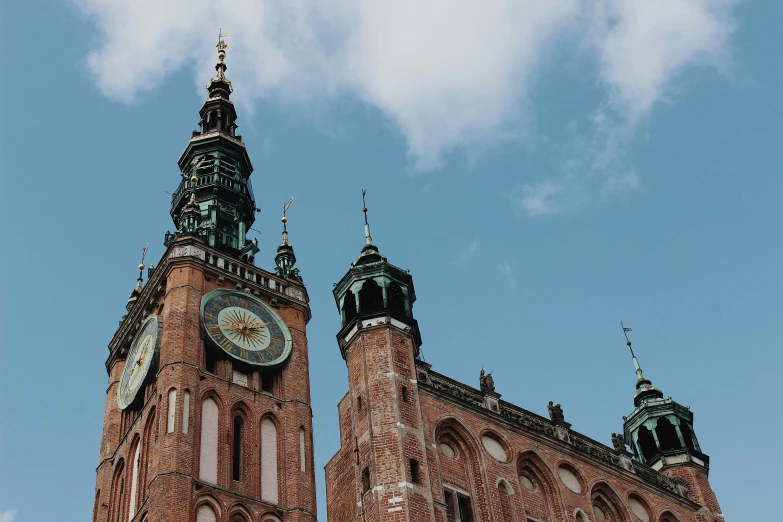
539, 199
7, 516
508, 275
449, 75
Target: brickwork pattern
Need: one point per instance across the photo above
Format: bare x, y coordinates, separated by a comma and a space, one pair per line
169, 487
388, 431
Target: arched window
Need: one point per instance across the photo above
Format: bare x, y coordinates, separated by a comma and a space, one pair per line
185, 411
579, 516
370, 297
134, 479
205, 513
146, 453
208, 455
172, 410
687, 435
236, 452
539, 488
349, 307
505, 502
268, 460
667, 435
607, 506
117, 493
395, 298
647, 443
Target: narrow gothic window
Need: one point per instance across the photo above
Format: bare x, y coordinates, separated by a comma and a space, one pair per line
359, 404
134, 480
505, 502
395, 298
404, 394
365, 480
208, 458
185, 411
647, 443
210, 361
415, 476
268, 460
349, 307
172, 410
236, 468
267, 383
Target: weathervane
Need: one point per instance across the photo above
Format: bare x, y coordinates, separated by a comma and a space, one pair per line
367, 236
141, 265
284, 219
633, 355
222, 45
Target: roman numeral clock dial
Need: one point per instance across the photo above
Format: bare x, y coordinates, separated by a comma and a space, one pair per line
142, 357
245, 327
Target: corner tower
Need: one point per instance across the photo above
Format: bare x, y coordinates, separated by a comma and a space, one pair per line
380, 472
660, 433
208, 411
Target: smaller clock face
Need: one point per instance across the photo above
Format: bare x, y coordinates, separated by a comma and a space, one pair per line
141, 357
245, 327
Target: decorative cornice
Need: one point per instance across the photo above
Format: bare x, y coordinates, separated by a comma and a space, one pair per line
538, 426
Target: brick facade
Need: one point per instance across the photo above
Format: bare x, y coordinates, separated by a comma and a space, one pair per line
530, 469
168, 484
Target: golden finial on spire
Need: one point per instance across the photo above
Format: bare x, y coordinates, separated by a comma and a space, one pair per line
222, 45
284, 219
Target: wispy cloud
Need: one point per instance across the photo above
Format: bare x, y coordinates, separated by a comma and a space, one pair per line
7, 516
467, 254
508, 274
449, 75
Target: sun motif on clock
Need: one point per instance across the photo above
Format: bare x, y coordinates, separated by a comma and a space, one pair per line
245, 327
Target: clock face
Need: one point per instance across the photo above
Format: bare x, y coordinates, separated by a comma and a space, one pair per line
245, 327
141, 358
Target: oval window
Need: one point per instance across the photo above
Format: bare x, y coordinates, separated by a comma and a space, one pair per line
494, 447
569, 478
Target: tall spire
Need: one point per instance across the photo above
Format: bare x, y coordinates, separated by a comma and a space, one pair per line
285, 258
134, 295
214, 201
367, 236
644, 387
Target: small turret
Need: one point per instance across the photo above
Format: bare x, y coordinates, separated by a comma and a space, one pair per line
375, 290
660, 431
285, 258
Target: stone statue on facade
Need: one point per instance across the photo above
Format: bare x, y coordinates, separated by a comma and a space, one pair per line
486, 382
555, 412
618, 441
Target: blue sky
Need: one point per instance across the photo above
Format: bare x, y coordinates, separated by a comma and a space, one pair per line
547, 171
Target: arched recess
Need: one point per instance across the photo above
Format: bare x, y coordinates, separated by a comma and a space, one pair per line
349, 307
668, 516
370, 297
241, 435
269, 459
205, 512
667, 435
539, 488
239, 513
640, 509
146, 454
135, 464
208, 451
117, 493
506, 501
580, 516
646, 443
606, 504
460, 474
395, 299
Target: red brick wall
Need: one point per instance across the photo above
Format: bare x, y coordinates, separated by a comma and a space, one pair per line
380, 362
169, 487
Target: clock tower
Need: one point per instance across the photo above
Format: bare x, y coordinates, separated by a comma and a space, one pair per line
208, 414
